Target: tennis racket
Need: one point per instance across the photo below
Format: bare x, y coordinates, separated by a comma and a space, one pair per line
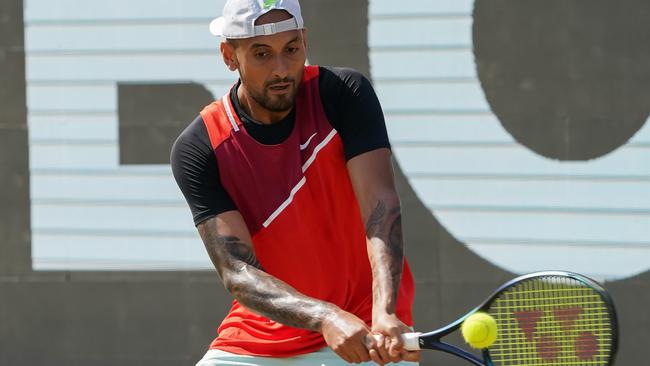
543, 318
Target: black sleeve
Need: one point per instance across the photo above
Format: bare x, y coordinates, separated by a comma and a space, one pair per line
353, 109
197, 174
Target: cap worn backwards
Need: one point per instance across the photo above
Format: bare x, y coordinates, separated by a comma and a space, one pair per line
239, 16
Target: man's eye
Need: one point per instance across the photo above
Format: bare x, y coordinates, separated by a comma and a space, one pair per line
261, 54
292, 50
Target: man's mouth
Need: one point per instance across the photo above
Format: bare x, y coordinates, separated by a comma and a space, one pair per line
280, 86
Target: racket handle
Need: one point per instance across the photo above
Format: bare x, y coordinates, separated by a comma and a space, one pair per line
411, 341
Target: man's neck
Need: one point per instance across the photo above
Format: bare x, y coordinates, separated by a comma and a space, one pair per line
256, 111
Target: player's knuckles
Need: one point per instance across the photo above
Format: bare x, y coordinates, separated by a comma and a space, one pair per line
378, 349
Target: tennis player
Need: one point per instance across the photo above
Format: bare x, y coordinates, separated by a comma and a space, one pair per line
290, 183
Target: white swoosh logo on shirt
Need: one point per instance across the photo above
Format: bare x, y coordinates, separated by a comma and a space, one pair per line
304, 146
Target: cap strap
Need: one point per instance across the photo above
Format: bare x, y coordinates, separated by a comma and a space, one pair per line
273, 28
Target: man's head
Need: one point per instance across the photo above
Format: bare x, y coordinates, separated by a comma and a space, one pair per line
265, 42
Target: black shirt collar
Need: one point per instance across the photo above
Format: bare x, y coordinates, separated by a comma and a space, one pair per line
266, 134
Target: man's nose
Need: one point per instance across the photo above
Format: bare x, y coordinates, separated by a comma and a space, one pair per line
281, 69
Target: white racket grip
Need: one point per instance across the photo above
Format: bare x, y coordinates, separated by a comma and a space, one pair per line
411, 341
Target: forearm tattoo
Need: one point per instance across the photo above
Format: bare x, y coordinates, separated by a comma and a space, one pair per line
241, 251
384, 230
243, 275
375, 224
395, 239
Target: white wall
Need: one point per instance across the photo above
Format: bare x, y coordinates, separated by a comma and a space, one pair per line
518, 209
88, 212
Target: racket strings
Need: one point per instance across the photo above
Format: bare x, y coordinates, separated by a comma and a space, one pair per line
551, 321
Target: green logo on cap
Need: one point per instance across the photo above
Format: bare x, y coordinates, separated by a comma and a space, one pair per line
269, 3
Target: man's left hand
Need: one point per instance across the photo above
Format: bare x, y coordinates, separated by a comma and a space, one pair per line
391, 328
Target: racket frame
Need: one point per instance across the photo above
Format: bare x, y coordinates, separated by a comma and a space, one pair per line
432, 340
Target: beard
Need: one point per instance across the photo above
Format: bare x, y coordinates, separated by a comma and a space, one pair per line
277, 102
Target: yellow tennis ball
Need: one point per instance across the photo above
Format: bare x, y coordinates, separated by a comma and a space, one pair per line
479, 330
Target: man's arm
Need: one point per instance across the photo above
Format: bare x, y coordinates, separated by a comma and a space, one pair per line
372, 178
228, 243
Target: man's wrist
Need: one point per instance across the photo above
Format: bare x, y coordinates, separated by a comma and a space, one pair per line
384, 303
382, 313
327, 316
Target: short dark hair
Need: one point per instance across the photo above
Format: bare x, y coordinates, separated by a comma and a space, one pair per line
233, 42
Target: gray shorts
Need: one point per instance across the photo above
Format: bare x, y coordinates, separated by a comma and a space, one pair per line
322, 357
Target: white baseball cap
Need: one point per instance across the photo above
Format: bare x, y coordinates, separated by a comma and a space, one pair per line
239, 16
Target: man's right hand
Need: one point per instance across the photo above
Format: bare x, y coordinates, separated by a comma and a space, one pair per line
346, 335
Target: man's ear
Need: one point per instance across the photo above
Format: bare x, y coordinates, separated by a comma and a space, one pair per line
229, 57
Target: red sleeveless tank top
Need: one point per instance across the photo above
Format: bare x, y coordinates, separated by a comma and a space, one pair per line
299, 206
